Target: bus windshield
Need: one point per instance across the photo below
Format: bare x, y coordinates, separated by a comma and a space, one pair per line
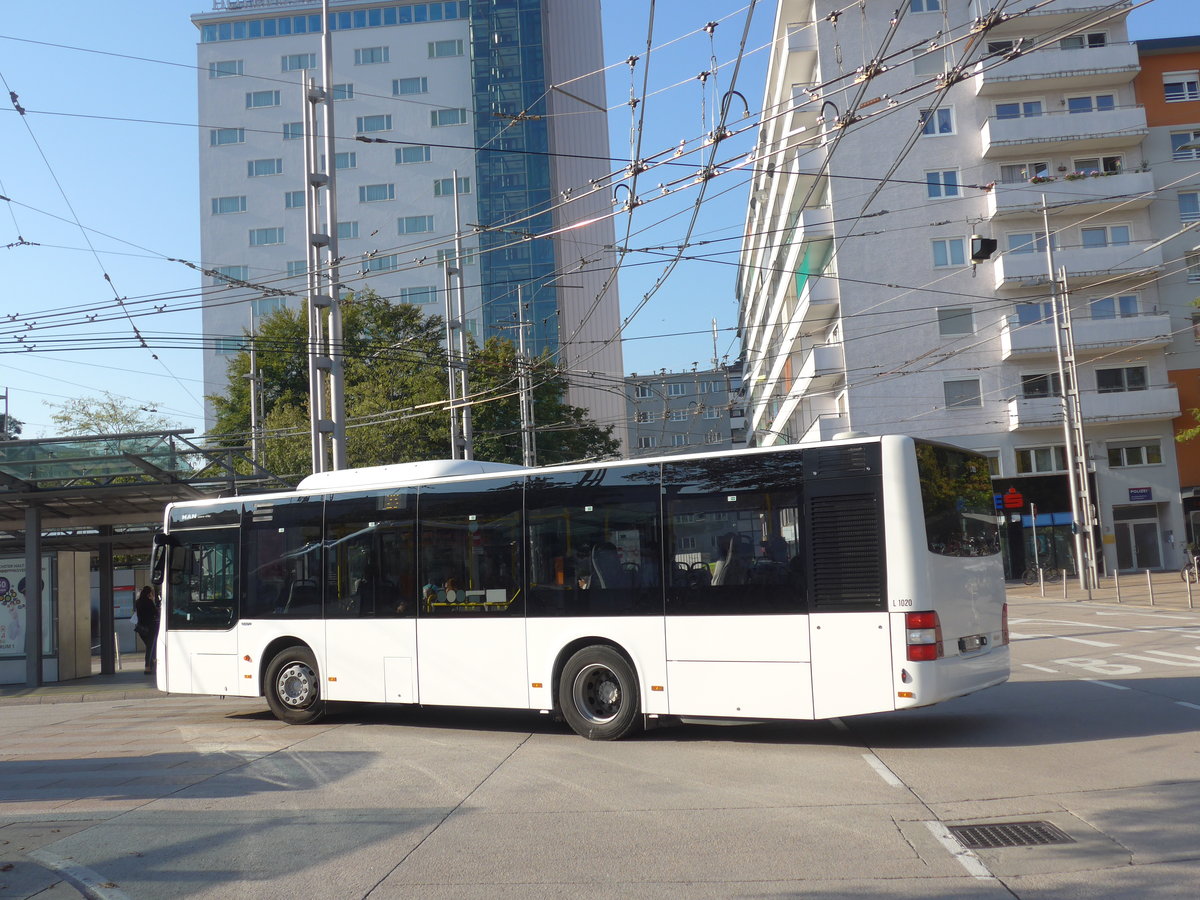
956, 492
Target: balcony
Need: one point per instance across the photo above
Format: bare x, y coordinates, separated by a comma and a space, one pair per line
1064, 132
1084, 265
1156, 404
1133, 190
1069, 70
818, 304
1040, 17
825, 427
1032, 341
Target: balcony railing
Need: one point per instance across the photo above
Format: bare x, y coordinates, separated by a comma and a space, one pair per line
1028, 341
1084, 265
1087, 194
1076, 69
1062, 131
1155, 404
825, 427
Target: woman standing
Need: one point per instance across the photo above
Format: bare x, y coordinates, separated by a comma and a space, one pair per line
146, 608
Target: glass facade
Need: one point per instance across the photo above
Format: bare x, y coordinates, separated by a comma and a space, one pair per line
509, 79
371, 17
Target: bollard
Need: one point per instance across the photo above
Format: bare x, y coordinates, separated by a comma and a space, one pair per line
1188, 583
1042, 581
117, 648
1150, 585
1064, 583
1117, 583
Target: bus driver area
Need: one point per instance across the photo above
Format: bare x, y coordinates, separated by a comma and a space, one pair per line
793, 583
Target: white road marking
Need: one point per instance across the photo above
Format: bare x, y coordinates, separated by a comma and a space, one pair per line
1040, 668
883, 771
1086, 641
967, 858
1188, 705
1191, 661
1115, 687
91, 884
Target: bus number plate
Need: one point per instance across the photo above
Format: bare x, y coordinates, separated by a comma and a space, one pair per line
974, 642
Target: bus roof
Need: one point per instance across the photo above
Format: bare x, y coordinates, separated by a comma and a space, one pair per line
425, 470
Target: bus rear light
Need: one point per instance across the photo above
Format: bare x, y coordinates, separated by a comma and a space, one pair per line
924, 636
1004, 624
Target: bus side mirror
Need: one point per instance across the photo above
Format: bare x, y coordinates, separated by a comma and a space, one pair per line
161, 557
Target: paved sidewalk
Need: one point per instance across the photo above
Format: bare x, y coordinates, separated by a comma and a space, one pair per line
1164, 590
128, 682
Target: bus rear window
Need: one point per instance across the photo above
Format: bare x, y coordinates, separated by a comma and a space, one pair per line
956, 493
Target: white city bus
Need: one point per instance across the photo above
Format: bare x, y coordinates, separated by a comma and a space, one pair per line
855, 576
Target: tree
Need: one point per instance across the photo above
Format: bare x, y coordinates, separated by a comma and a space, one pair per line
396, 391
10, 427
106, 414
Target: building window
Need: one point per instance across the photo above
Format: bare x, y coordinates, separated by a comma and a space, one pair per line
1105, 236
451, 257
294, 61
1146, 453
439, 118
919, 6
929, 62
369, 56
993, 458
1095, 103
1179, 86
414, 224
1034, 313
343, 92
1029, 242
346, 230
1123, 306
416, 85
229, 346
1041, 460
372, 193
219, 137
418, 295
1019, 109
1091, 40
418, 154
444, 187
224, 68
1185, 145
679, 415
712, 412
297, 268
955, 320
1117, 381
293, 200
642, 392
293, 131
388, 263
679, 440
258, 167
1045, 384
937, 121
1189, 206
1193, 267
1016, 173
1097, 165
647, 441
259, 99
264, 306
438, 49
346, 160
368, 124
262, 237
962, 393
676, 389
225, 274
223, 205
949, 252
942, 183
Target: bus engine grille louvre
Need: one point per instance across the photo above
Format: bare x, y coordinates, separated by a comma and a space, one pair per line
1009, 834
840, 460
846, 547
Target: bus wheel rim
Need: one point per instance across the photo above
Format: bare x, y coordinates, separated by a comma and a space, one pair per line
297, 685
597, 694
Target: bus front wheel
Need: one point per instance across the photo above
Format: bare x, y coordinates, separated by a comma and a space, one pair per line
292, 687
598, 694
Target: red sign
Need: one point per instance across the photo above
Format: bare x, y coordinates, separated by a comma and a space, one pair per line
1013, 499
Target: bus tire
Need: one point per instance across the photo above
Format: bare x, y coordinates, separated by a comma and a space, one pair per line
598, 694
293, 686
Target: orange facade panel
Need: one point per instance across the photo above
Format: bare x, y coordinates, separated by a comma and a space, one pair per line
1187, 453
1150, 85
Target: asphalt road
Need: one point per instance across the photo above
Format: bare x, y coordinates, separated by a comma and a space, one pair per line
1096, 734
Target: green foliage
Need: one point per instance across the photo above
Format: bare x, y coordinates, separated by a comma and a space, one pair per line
396, 390
10, 427
106, 414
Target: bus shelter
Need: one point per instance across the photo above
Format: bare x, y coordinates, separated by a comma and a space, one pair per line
63, 500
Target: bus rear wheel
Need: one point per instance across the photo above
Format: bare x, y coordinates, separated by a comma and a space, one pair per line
292, 687
598, 694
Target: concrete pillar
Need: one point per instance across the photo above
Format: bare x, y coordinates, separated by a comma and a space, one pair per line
108, 630
33, 597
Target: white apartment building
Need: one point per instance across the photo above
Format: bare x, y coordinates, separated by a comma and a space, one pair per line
421, 91
860, 308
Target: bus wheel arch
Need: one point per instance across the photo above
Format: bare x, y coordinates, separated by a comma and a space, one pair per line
597, 691
292, 683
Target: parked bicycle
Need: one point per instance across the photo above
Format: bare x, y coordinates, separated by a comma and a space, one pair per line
1049, 574
1189, 573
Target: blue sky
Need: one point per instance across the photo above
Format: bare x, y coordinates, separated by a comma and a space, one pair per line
110, 142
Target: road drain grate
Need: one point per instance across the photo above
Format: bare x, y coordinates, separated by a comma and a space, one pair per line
1009, 834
